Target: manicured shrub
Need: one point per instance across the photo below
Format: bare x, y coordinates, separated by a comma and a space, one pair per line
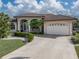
20, 34
37, 32
74, 32
30, 37
75, 38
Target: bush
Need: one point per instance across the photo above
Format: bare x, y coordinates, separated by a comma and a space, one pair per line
37, 32
20, 34
75, 38
28, 36
74, 32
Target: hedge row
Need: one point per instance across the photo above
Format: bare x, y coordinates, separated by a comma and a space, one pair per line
75, 38
30, 36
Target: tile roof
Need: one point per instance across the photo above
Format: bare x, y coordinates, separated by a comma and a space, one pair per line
47, 16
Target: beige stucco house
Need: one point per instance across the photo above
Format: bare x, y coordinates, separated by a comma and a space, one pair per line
53, 24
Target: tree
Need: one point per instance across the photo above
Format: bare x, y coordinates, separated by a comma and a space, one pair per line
4, 25
36, 24
76, 24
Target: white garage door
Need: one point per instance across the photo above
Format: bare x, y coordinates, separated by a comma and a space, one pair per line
58, 29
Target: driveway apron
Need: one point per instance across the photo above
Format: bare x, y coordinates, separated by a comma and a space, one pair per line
45, 48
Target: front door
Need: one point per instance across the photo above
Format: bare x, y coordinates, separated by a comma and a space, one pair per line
24, 27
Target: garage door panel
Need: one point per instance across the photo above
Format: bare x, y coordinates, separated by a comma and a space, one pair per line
58, 29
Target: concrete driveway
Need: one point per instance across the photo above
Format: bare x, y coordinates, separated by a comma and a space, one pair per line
45, 48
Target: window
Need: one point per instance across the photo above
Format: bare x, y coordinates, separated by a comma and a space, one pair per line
55, 24
52, 24
63, 24
13, 26
49, 24
60, 24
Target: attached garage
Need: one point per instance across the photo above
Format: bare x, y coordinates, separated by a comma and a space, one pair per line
58, 24
58, 28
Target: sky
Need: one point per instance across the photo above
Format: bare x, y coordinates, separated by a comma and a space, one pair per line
57, 7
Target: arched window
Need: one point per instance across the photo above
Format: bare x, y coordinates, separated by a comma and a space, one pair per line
13, 26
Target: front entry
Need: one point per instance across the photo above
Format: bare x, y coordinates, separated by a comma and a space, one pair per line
24, 26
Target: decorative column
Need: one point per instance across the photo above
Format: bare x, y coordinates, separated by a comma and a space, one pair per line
29, 25
19, 25
15, 27
71, 29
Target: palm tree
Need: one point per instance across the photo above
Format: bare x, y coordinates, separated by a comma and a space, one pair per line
36, 24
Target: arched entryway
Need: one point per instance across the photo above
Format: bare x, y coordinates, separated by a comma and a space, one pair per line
24, 26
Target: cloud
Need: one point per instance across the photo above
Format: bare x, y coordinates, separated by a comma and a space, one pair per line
53, 6
66, 3
13, 10
44, 6
75, 8
76, 5
23, 6
32, 3
1, 3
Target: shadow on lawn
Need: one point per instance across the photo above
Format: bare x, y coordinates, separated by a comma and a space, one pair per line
20, 58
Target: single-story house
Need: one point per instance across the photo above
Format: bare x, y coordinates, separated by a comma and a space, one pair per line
53, 24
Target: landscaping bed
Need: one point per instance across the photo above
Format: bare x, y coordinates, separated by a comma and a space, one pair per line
7, 46
75, 40
77, 50
28, 36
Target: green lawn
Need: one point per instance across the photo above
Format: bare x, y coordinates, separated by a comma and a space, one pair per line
7, 46
77, 50
75, 40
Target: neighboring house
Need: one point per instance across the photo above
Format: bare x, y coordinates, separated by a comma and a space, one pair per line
53, 24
